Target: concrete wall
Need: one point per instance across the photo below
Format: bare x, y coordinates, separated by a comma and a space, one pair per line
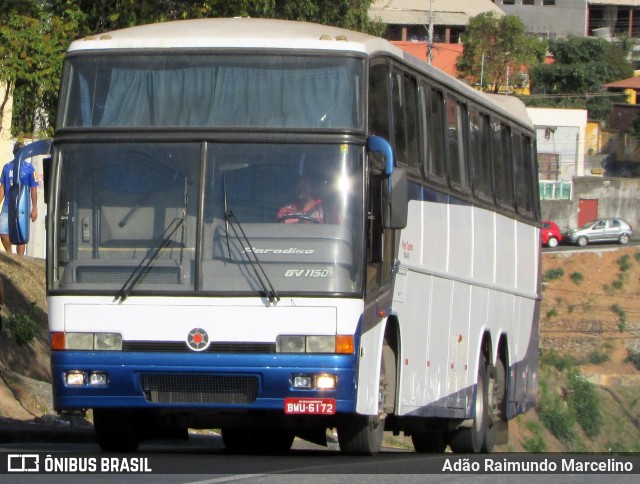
617, 197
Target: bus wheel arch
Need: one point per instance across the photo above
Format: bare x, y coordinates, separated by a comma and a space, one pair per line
362, 434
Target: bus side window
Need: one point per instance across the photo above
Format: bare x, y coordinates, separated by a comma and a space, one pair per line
379, 100
503, 170
479, 155
405, 118
433, 102
456, 119
524, 174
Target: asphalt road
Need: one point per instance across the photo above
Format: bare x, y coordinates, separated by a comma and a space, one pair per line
203, 459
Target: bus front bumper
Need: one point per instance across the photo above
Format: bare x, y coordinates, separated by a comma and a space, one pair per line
110, 379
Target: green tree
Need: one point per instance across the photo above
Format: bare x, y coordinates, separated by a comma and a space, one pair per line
34, 35
497, 48
32, 45
576, 79
113, 14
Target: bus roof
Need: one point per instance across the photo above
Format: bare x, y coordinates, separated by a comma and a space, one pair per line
248, 33
234, 32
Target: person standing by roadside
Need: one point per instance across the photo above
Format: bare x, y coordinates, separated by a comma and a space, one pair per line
28, 177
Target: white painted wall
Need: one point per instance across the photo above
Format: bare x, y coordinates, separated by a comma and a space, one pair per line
567, 137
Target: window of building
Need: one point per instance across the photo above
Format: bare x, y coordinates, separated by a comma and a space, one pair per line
548, 2
528, 2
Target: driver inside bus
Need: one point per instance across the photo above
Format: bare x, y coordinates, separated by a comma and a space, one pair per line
306, 208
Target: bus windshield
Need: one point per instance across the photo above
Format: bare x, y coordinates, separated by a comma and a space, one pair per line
209, 217
212, 91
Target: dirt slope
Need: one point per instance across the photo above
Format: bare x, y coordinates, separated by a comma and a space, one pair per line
591, 305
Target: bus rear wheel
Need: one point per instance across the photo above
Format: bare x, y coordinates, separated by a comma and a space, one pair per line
473, 439
116, 429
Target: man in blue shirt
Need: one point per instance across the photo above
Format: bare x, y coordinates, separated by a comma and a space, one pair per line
28, 177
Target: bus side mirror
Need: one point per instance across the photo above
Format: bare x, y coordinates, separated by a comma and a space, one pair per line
395, 197
395, 200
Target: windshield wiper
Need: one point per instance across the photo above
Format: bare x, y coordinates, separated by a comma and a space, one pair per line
145, 264
267, 288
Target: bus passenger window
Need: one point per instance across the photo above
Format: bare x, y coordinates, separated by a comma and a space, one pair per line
503, 170
479, 155
379, 100
405, 119
434, 103
455, 135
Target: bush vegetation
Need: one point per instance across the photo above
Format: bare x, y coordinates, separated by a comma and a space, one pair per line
22, 327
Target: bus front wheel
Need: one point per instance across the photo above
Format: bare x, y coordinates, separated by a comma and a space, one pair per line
360, 434
262, 440
116, 429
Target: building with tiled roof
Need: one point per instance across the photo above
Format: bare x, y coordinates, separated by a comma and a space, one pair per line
409, 19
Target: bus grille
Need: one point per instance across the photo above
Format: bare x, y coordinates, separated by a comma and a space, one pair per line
179, 388
181, 347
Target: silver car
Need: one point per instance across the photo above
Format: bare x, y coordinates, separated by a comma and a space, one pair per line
600, 230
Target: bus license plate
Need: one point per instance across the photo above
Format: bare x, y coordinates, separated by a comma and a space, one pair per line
313, 406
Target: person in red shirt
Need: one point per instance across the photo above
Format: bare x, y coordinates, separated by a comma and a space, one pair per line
306, 208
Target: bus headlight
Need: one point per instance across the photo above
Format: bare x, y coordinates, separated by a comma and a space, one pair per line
290, 344
86, 341
342, 344
321, 344
108, 341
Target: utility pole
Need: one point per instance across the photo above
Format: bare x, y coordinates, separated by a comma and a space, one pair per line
430, 41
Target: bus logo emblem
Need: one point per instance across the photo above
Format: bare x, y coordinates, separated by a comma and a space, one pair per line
198, 339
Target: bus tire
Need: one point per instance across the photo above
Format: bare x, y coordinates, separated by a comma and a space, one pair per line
429, 442
472, 439
362, 435
116, 429
263, 440
493, 413
499, 404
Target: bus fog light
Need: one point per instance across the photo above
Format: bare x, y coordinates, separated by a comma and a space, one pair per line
321, 344
98, 378
302, 381
326, 382
290, 344
74, 378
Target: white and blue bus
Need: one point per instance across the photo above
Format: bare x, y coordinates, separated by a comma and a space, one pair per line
182, 296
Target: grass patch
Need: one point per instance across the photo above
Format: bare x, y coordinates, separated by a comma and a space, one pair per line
555, 360
553, 274
535, 442
557, 417
576, 278
585, 403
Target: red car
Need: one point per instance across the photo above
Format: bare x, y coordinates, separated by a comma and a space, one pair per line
550, 234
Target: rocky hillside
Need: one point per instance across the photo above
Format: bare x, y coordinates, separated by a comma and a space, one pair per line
590, 321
